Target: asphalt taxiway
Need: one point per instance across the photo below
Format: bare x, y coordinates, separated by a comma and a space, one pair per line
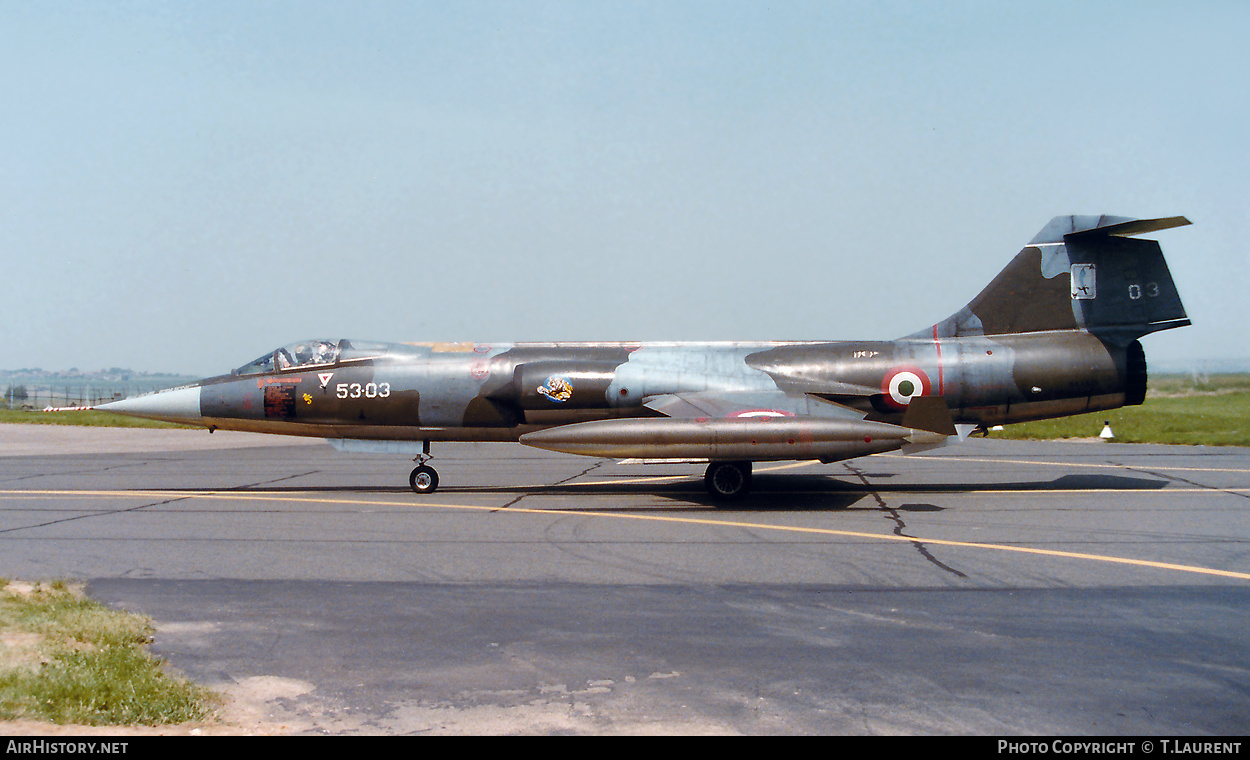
995, 587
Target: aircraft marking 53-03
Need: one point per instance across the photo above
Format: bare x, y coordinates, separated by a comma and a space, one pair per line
1055, 333
368, 390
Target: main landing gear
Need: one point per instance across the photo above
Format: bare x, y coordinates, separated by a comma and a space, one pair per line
728, 480
424, 479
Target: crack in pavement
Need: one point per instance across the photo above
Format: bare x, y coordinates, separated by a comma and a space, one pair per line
87, 471
581, 474
899, 525
171, 500
1178, 478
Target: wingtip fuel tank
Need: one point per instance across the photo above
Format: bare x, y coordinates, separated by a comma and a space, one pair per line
755, 439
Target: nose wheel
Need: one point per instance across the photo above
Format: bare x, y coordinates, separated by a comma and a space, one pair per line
424, 479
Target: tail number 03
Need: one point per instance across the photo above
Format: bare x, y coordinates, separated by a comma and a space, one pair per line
368, 390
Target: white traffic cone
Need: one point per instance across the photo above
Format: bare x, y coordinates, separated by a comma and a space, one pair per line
1106, 433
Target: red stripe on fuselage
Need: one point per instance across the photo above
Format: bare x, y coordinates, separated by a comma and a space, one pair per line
937, 343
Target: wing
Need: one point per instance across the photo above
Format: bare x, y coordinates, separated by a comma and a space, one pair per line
748, 405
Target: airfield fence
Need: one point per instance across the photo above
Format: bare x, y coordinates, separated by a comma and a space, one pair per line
43, 396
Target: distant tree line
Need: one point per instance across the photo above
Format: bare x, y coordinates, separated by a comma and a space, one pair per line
16, 393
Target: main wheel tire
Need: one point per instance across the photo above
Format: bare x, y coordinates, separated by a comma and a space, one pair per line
728, 480
423, 479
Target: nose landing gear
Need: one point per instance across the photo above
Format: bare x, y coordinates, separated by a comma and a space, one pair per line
424, 479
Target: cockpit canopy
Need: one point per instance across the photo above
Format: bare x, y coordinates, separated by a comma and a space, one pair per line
305, 353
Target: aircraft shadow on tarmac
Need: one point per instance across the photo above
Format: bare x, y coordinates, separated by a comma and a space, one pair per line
769, 492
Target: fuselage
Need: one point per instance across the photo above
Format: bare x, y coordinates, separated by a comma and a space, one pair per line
498, 392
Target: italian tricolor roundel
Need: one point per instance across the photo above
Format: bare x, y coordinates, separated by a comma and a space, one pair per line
902, 384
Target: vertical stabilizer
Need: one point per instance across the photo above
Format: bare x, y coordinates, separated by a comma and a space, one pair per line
1078, 273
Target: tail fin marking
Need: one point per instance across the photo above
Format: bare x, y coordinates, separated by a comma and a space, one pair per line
1079, 272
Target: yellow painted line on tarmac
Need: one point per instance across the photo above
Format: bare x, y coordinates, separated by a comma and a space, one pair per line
623, 479
1065, 463
884, 490
236, 495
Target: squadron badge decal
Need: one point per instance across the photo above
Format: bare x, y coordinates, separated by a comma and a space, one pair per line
557, 388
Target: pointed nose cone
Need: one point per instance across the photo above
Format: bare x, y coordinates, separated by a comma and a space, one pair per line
174, 405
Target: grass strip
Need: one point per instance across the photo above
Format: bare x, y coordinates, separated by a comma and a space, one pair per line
67, 659
1210, 420
87, 418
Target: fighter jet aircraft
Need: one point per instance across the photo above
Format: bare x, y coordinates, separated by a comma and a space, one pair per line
1054, 334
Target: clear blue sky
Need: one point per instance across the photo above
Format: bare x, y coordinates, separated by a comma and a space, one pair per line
187, 184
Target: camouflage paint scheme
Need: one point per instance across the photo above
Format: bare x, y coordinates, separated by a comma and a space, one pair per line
1055, 333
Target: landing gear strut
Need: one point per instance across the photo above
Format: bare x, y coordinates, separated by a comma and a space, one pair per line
424, 479
728, 480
